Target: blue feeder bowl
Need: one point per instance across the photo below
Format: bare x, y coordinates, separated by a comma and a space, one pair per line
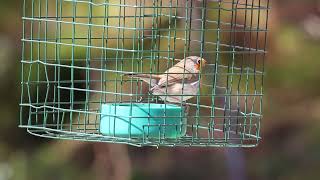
147, 120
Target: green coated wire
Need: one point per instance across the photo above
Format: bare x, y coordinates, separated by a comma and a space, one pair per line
31, 59
215, 79
45, 61
262, 80
255, 67
102, 66
74, 12
202, 49
22, 59
227, 103
58, 50
248, 79
88, 64
38, 56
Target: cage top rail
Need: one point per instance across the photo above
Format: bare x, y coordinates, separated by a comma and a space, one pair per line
233, 24
251, 29
252, 6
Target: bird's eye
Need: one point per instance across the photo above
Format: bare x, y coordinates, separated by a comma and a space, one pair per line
199, 61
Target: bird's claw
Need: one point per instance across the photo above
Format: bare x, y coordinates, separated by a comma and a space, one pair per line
140, 99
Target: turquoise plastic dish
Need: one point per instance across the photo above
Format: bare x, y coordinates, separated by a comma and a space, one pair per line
147, 120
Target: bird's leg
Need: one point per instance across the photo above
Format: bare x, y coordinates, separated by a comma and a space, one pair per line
150, 94
186, 108
141, 99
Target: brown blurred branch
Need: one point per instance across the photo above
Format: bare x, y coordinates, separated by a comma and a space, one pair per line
111, 162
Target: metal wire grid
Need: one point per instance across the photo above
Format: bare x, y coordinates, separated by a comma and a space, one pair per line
76, 52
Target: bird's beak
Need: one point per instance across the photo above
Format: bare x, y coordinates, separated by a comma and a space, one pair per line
204, 62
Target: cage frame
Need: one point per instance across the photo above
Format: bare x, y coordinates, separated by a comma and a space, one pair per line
43, 109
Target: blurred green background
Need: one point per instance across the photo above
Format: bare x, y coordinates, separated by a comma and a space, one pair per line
290, 148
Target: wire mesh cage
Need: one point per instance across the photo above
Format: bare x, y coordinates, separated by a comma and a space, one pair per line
145, 73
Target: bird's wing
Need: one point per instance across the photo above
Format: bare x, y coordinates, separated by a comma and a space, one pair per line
177, 73
148, 78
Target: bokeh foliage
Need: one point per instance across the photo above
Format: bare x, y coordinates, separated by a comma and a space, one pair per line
291, 129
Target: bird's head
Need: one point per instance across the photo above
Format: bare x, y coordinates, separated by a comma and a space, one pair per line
198, 62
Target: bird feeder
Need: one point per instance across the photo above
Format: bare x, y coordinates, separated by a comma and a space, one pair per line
91, 71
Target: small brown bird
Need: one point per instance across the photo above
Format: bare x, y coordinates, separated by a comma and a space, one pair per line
181, 79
